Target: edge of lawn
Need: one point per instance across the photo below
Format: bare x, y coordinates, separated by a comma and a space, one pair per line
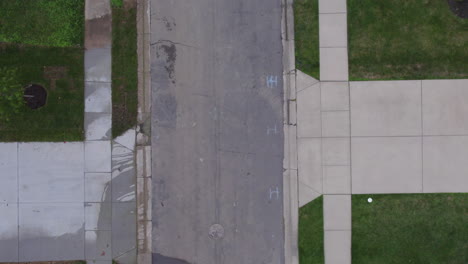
306, 37
124, 66
311, 246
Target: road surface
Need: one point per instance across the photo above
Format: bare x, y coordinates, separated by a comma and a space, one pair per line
217, 132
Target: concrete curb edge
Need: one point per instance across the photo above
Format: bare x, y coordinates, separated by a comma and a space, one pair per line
290, 176
143, 140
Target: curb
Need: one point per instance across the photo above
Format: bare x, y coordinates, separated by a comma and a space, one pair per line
143, 140
290, 176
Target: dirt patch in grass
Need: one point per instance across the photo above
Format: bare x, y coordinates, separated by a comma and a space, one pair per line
124, 67
406, 39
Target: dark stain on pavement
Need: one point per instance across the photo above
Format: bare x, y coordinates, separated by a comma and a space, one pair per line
165, 110
160, 259
169, 22
169, 51
98, 32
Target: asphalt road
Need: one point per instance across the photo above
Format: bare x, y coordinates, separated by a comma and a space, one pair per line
217, 132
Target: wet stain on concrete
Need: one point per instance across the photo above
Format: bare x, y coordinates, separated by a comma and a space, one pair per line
123, 174
123, 189
165, 110
8, 249
37, 245
98, 32
169, 51
160, 259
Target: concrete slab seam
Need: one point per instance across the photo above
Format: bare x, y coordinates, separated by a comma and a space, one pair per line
84, 191
422, 140
310, 187
321, 136
350, 145
332, 12
18, 196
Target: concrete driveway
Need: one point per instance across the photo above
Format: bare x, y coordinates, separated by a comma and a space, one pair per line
41, 201
52, 209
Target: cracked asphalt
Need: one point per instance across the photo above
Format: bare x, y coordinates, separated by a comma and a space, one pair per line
217, 132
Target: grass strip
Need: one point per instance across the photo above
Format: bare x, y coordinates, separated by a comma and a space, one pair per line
306, 33
311, 232
124, 68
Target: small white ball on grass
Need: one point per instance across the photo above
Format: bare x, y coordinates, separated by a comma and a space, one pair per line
369, 200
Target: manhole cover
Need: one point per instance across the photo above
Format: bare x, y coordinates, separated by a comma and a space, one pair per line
459, 8
216, 231
35, 96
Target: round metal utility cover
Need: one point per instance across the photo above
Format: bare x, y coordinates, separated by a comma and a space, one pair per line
35, 96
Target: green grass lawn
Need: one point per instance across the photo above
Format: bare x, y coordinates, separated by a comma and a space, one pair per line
311, 232
406, 39
38, 37
124, 67
410, 228
57, 23
394, 229
306, 33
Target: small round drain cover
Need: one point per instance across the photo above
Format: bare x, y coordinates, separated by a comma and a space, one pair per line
216, 231
35, 96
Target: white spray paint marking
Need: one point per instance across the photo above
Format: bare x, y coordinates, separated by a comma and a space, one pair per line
273, 130
127, 197
272, 81
274, 192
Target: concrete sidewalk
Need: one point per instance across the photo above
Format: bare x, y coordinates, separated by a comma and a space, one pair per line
409, 136
52, 209
403, 137
106, 159
41, 201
